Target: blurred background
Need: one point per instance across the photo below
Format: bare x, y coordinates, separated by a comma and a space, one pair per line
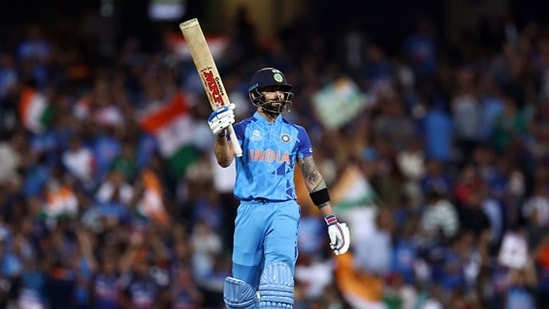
429, 120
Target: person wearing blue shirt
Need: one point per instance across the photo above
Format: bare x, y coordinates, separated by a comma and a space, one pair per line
265, 237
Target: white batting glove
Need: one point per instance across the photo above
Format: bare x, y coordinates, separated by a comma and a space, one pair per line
221, 118
340, 239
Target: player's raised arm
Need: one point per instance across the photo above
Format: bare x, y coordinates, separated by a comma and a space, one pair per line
209, 75
219, 121
338, 232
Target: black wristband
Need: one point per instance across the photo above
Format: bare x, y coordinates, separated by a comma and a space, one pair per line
320, 197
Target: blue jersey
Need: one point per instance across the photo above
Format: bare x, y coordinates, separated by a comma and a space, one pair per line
270, 151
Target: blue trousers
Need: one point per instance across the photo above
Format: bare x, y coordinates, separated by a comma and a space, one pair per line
265, 233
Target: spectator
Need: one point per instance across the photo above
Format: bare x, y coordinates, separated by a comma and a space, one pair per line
105, 291
206, 245
510, 126
315, 274
374, 254
34, 54
440, 216
439, 132
12, 160
114, 197
79, 161
541, 259
185, 293
520, 291
436, 178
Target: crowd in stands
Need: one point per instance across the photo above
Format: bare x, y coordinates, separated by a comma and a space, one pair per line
109, 197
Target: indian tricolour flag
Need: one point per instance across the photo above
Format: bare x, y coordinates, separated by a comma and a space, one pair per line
172, 126
34, 110
179, 47
151, 204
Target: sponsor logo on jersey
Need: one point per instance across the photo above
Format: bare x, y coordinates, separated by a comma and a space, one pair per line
256, 135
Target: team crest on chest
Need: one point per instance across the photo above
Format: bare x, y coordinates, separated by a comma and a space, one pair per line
285, 138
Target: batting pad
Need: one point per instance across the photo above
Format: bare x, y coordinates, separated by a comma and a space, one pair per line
239, 295
276, 287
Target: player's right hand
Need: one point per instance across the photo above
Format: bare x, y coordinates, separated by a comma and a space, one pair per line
221, 118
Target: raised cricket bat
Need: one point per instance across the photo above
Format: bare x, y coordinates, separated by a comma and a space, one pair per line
207, 69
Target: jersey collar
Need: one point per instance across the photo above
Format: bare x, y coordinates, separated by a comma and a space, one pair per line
257, 116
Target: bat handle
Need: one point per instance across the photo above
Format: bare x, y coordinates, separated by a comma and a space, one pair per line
236, 146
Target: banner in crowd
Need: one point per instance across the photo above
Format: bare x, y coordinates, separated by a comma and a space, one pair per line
338, 103
514, 251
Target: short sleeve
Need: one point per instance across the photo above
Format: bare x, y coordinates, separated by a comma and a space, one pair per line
304, 147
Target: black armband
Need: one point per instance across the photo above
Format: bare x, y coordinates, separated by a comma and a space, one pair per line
320, 197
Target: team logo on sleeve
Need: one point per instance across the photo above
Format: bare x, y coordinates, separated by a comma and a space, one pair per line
285, 138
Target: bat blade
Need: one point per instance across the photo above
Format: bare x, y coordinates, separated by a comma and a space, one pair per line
207, 70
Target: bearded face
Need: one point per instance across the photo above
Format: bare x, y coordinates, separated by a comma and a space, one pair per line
272, 100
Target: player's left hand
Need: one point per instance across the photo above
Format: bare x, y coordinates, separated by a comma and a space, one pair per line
340, 238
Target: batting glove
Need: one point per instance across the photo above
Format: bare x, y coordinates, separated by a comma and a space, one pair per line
340, 238
221, 118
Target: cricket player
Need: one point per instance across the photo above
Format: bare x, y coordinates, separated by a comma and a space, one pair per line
265, 237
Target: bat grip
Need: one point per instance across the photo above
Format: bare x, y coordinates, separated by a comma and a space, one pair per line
236, 146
